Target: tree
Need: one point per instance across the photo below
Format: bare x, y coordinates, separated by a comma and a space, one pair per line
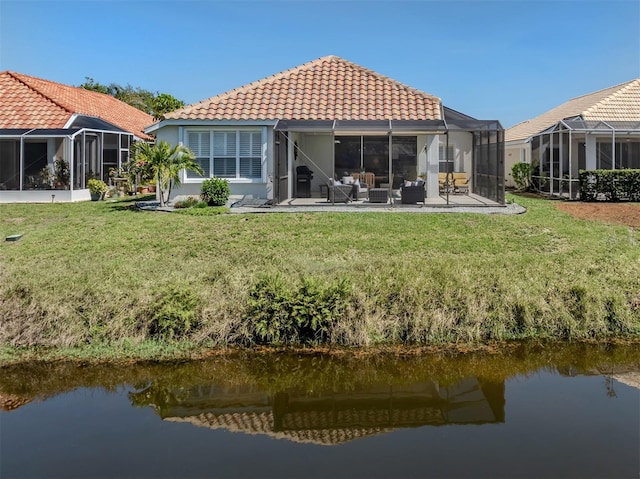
136, 97
156, 104
165, 162
164, 103
90, 84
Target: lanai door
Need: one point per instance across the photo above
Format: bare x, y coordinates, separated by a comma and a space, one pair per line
281, 168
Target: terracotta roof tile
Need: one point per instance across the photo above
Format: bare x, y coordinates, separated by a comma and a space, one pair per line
30, 102
328, 88
616, 103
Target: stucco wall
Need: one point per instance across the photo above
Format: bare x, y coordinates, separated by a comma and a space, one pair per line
515, 153
463, 152
317, 154
239, 188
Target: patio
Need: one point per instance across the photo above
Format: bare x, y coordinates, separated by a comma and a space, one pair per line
470, 200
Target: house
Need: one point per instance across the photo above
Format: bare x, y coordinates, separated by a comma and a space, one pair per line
332, 417
54, 137
336, 119
600, 130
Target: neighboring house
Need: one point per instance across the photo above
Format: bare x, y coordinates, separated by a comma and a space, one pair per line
595, 131
44, 124
334, 117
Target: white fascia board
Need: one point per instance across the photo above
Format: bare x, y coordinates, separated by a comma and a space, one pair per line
70, 121
163, 123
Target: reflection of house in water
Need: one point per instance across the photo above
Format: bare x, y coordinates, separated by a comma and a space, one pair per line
627, 374
334, 418
630, 379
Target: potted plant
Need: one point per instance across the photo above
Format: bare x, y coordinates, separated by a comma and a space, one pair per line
97, 188
62, 173
46, 177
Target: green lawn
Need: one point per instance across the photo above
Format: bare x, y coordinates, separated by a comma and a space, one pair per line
103, 275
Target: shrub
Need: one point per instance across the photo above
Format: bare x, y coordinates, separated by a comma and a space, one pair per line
521, 173
97, 187
284, 314
215, 191
190, 202
175, 314
610, 185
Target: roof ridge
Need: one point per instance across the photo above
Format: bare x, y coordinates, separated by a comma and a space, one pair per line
619, 91
603, 89
16, 76
305, 66
389, 79
64, 85
252, 84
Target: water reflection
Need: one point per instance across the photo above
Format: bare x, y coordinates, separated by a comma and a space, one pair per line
542, 411
329, 417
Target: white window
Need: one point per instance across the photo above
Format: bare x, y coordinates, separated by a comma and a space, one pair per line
250, 154
446, 167
200, 144
224, 154
236, 154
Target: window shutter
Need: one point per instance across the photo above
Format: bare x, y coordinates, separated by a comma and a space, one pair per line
250, 143
224, 143
198, 142
250, 168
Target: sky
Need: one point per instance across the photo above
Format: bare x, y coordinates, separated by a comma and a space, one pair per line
509, 60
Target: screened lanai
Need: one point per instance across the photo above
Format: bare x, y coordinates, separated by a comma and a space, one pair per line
391, 152
55, 164
574, 144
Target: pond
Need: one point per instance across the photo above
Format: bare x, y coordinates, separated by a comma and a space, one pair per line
530, 411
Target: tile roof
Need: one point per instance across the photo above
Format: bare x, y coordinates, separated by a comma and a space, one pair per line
257, 423
616, 103
30, 102
328, 88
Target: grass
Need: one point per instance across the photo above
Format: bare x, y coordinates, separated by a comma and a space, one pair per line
104, 276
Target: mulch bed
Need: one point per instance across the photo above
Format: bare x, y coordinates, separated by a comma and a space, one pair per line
627, 214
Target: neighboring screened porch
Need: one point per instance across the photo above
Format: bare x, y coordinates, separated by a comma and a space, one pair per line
571, 145
36, 162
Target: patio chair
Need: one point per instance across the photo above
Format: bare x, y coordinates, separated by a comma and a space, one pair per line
339, 193
365, 178
460, 183
412, 192
445, 183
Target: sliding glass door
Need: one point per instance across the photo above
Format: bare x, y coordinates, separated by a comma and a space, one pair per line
375, 157
371, 154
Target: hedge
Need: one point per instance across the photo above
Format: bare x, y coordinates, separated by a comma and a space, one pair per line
610, 185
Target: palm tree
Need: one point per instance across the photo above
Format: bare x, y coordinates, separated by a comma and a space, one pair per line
166, 162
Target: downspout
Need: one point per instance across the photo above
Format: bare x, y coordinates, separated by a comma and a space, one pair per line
390, 193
